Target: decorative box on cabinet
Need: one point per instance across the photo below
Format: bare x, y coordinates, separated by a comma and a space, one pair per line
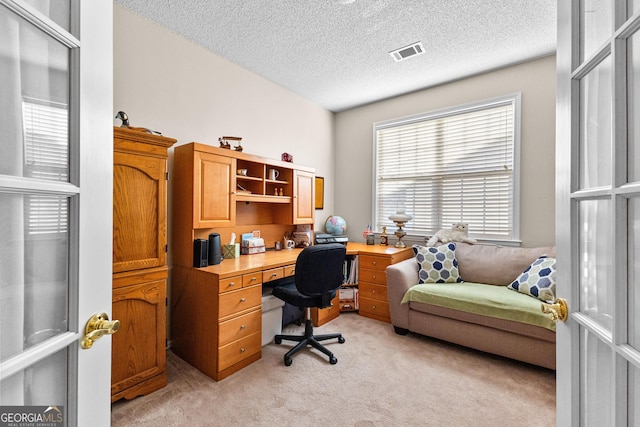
139, 262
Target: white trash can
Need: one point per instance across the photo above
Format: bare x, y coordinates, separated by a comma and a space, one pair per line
271, 317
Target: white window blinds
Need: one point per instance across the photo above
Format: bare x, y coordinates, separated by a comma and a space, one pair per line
450, 166
46, 156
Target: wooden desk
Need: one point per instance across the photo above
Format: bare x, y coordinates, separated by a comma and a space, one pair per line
216, 321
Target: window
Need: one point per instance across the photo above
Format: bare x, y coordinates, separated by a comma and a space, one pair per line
46, 153
454, 165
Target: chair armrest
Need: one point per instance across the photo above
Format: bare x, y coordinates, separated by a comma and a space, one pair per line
400, 277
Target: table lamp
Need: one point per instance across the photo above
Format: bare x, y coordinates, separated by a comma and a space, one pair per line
400, 218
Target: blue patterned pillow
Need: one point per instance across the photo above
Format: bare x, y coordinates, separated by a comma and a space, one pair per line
538, 280
437, 264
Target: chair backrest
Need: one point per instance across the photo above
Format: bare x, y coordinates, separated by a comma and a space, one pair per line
319, 269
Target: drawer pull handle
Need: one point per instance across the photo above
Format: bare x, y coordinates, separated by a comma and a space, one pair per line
243, 299
242, 350
373, 306
243, 327
374, 276
253, 279
373, 291
232, 284
274, 275
373, 262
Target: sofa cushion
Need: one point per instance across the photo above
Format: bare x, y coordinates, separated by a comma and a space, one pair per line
538, 280
437, 264
481, 299
496, 265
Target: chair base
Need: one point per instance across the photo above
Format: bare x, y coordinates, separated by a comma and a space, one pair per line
308, 339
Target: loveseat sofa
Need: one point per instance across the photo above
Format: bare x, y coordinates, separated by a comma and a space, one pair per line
477, 310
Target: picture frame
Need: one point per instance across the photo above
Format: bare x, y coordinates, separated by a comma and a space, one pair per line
319, 202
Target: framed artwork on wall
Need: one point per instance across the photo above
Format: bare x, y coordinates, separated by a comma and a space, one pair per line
319, 192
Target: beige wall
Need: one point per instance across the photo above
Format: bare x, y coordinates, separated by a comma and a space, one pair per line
166, 83
535, 80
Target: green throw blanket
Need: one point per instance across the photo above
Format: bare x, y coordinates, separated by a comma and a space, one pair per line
478, 298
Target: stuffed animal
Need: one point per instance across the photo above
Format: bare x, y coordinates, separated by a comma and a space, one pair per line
458, 233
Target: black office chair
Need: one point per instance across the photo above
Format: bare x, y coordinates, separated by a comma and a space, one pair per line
318, 276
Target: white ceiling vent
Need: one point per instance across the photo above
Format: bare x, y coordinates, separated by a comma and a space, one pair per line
407, 51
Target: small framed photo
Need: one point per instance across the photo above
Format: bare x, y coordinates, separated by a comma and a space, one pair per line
319, 192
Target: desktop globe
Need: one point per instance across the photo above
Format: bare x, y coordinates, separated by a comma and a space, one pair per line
336, 225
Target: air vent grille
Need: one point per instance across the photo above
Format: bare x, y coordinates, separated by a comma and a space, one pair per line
407, 52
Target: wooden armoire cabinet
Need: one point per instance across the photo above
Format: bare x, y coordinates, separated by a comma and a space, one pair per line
139, 262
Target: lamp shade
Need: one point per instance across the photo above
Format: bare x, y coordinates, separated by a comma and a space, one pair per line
400, 217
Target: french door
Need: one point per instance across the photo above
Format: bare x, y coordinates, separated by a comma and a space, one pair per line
598, 212
55, 208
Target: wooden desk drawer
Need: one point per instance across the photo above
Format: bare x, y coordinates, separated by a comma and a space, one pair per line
252, 279
289, 270
373, 276
374, 262
374, 308
239, 350
239, 327
371, 291
320, 316
240, 300
272, 274
230, 284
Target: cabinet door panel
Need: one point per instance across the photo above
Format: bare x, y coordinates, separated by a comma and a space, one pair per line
139, 212
303, 202
214, 191
138, 348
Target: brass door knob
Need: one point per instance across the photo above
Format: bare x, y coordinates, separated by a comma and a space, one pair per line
559, 310
97, 326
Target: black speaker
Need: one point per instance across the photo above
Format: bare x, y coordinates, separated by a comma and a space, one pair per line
215, 250
200, 253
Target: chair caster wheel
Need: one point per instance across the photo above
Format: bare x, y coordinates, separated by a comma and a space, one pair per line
287, 361
333, 360
277, 340
341, 340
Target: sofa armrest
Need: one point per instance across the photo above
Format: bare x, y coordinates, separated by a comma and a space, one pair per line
400, 277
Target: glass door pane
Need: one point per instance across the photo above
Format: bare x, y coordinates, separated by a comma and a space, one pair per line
59, 11
634, 396
595, 25
595, 126
596, 381
633, 105
596, 298
633, 268
34, 99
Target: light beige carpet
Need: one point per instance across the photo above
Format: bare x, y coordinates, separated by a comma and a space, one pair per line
381, 379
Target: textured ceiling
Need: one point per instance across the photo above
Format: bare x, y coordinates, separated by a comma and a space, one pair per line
336, 52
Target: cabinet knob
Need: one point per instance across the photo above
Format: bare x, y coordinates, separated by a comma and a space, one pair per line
373, 291
231, 284
373, 307
374, 276
243, 299
373, 262
242, 350
243, 327
274, 275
